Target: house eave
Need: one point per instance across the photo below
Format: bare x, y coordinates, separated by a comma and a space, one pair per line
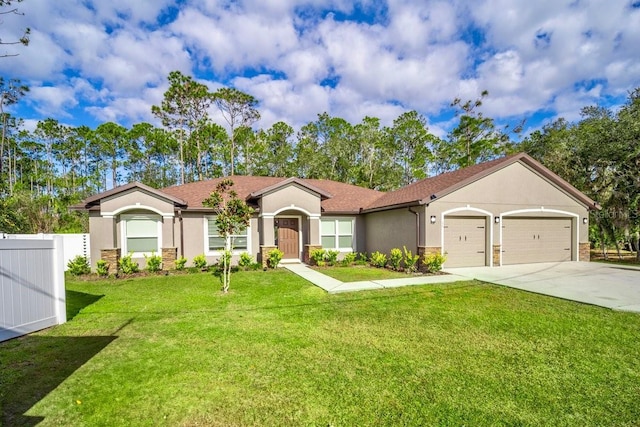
396, 206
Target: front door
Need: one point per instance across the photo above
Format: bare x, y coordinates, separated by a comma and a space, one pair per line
288, 239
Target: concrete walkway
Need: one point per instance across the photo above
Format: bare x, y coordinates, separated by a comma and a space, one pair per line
334, 286
605, 285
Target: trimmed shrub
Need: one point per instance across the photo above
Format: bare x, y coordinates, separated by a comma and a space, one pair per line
274, 257
154, 262
395, 258
378, 259
245, 260
199, 261
181, 263
362, 258
102, 268
127, 265
349, 258
433, 262
79, 266
332, 257
410, 261
318, 256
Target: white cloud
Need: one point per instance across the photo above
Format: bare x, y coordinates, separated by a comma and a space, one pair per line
112, 57
282, 101
232, 41
364, 63
51, 101
415, 26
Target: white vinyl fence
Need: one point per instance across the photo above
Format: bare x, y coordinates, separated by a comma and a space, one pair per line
72, 244
31, 286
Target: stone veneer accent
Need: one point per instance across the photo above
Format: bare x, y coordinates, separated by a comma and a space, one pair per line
111, 256
307, 252
496, 255
169, 256
425, 250
584, 252
264, 251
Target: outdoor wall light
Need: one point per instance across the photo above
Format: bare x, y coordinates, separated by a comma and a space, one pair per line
585, 220
497, 220
432, 219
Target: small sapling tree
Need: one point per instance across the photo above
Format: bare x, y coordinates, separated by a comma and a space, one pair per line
232, 216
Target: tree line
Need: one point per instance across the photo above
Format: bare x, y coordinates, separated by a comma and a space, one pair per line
46, 170
600, 155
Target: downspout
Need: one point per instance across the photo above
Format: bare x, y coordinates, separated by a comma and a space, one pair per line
417, 214
181, 233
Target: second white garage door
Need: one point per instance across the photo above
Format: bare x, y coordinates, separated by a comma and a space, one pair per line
465, 241
529, 240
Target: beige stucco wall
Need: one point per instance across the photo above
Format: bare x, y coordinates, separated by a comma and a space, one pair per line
504, 193
135, 199
194, 238
103, 235
390, 229
290, 197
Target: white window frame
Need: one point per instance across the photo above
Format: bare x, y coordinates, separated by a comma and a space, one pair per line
124, 218
337, 234
208, 252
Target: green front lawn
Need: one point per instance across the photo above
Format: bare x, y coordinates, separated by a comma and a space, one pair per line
277, 351
360, 273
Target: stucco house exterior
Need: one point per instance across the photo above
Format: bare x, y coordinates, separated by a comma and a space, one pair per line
506, 211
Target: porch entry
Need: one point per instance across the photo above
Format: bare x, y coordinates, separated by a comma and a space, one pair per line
287, 235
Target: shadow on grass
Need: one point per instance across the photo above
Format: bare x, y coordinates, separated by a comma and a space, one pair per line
32, 366
76, 301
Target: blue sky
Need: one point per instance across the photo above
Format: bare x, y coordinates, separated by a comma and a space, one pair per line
96, 61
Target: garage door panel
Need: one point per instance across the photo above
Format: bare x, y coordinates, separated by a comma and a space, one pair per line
530, 240
465, 241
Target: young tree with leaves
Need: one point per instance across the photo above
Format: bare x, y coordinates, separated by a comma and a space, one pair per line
232, 216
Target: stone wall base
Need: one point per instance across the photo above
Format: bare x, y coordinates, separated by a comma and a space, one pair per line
584, 252
169, 256
111, 256
306, 256
264, 251
496, 255
426, 250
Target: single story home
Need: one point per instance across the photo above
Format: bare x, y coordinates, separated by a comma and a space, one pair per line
506, 211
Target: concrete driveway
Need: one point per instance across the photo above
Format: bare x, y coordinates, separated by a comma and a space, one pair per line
605, 285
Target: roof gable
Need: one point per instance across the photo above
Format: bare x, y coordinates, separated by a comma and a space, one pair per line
287, 182
431, 189
97, 198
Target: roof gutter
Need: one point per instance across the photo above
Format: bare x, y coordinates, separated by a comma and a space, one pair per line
398, 206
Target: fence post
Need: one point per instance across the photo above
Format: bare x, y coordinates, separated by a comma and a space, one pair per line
58, 279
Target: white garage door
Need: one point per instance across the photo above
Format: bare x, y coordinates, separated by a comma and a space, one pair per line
465, 241
529, 240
